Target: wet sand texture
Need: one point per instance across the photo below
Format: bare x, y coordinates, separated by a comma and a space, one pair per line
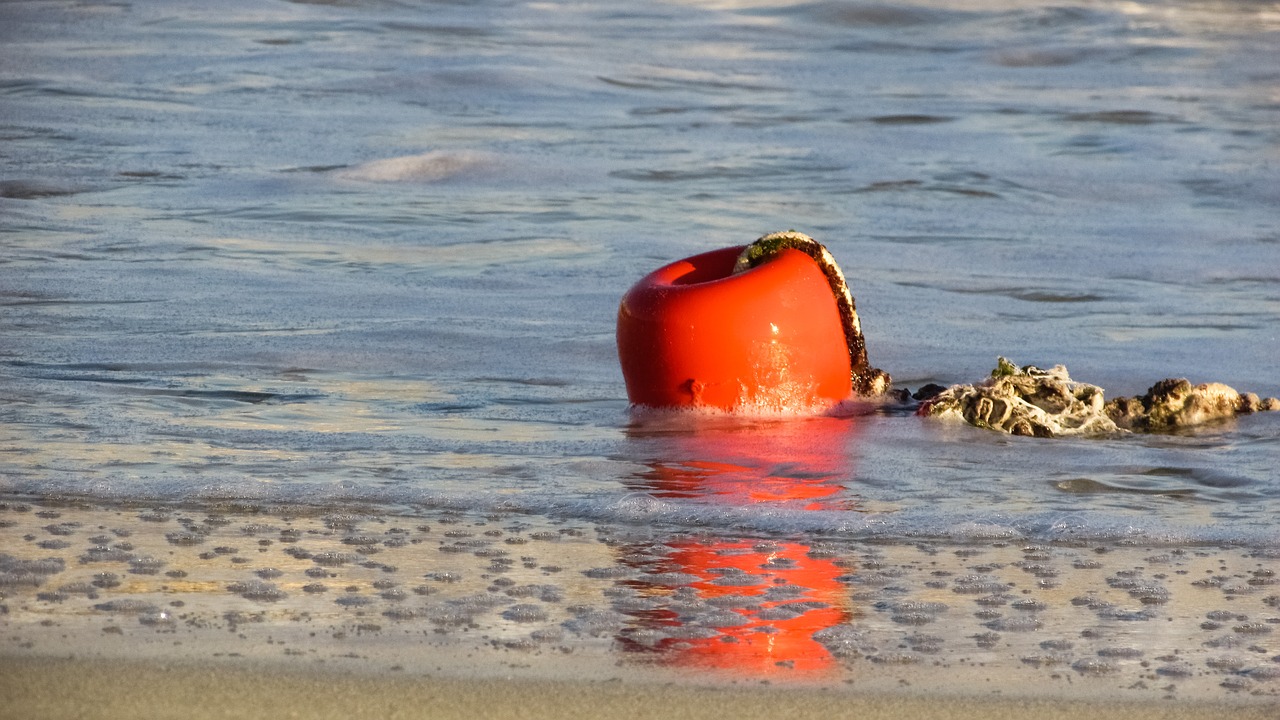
473, 608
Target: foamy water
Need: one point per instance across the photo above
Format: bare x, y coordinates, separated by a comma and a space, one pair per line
372, 252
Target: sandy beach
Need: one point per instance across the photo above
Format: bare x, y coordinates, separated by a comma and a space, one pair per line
257, 612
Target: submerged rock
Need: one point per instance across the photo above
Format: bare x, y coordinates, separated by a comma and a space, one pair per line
1047, 403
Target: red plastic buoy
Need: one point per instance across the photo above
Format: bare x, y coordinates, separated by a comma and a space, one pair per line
771, 337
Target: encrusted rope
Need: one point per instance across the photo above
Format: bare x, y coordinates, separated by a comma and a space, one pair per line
866, 380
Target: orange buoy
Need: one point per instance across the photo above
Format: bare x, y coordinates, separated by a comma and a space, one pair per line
716, 330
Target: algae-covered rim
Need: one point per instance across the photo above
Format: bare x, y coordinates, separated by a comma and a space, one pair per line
866, 380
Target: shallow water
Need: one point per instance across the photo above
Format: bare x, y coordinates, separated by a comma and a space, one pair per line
329, 253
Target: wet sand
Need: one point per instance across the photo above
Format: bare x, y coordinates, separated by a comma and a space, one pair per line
272, 612
61, 689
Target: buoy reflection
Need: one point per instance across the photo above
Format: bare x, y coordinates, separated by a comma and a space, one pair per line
735, 604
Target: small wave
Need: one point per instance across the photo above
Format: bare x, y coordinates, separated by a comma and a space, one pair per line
429, 167
36, 189
876, 15
910, 119
1122, 117
644, 511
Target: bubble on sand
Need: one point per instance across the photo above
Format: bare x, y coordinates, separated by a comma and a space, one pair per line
842, 641
1046, 660
159, 617
545, 593
255, 528
106, 580
185, 539
19, 579
80, 588
978, 585
896, 658
482, 602
16, 567
269, 573
354, 601
1226, 663
1111, 612
593, 622
986, 639
1014, 624
1236, 684
343, 521
1094, 666
103, 553
546, 635
1120, 652
128, 606
913, 618
1039, 570
402, 613
450, 617
1223, 641
257, 590
334, 558
608, 573
1176, 670
525, 612
721, 619
673, 579
1264, 674
929, 644
740, 579
787, 611
145, 565
444, 577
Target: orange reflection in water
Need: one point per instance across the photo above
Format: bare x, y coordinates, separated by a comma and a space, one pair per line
748, 607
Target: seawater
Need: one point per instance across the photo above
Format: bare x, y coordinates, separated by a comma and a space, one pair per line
370, 253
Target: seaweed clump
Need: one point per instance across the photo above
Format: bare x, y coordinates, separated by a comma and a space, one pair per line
1046, 403
1175, 402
